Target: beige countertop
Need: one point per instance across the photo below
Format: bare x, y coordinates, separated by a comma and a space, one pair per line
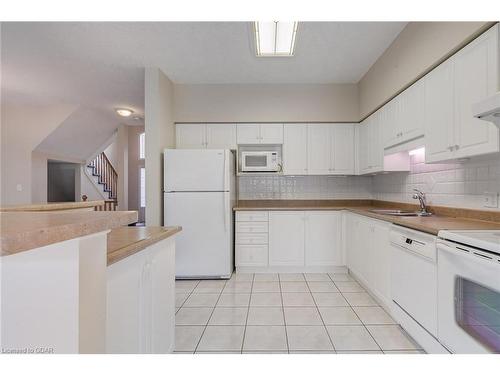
21, 231
55, 206
126, 241
443, 218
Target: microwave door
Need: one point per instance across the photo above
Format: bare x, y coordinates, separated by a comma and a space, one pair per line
255, 162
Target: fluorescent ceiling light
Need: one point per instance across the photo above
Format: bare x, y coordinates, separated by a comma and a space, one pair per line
275, 38
124, 112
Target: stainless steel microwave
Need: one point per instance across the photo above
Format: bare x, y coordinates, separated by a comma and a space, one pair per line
260, 161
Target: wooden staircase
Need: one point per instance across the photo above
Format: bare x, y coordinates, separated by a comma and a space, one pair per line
107, 177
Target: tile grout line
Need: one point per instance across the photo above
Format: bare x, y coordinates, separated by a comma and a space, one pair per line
248, 312
283, 312
362, 323
210, 317
189, 295
319, 313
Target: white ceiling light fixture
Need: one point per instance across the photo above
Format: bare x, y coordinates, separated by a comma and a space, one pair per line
124, 112
275, 38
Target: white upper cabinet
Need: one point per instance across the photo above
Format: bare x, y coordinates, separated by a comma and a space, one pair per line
439, 113
402, 119
190, 136
259, 134
467, 77
271, 133
318, 149
295, 149
476, 77
371, 152
221, 136
342, 149
212, 136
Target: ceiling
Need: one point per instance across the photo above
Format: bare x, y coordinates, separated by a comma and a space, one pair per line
100, 66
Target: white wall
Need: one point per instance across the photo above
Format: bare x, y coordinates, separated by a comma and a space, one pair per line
160, 134
266, 103
23, 127
134, 163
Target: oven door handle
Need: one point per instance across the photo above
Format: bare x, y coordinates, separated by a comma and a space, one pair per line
466, 252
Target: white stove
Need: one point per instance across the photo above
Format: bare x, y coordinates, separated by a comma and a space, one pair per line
469, 290
488, 240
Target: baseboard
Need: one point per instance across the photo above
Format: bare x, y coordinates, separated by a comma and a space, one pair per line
291, 269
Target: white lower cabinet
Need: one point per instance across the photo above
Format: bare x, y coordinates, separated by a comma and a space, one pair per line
140, 315
323, 242
289, 241
286, 238
368, 254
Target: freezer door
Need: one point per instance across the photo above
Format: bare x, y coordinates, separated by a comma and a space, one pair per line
196, 170
204, 247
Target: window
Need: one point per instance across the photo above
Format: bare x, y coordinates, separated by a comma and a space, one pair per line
143, 187
142, 151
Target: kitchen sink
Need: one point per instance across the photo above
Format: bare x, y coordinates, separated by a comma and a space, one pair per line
395, 212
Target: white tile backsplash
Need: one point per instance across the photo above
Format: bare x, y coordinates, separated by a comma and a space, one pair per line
305, 187
450, 184
453, 184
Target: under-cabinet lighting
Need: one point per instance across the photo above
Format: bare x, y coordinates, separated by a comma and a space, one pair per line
418, 151
275, 38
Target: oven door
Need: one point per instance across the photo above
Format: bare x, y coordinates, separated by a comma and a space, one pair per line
468, 299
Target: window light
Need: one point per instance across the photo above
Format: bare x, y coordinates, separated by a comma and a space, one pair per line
142, 145
275, 38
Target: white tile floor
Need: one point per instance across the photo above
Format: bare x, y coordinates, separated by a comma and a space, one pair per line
285, 313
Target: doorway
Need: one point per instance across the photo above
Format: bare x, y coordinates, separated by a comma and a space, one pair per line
62, 181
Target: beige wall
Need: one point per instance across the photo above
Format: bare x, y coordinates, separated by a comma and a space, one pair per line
266, 103
160, 134
23, 127
134, 163
417, 48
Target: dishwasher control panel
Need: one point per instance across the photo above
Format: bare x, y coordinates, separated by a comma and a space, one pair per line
420, 243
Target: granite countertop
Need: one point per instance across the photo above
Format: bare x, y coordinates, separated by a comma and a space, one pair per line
443, 218
55, 206
126, 241
21, 231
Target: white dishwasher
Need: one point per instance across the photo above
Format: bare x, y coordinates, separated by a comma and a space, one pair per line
414, 275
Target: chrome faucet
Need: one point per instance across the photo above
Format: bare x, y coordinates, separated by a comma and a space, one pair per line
423, 205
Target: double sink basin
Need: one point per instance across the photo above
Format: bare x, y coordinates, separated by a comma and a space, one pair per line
396, 212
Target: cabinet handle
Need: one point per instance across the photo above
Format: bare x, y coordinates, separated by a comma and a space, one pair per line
457, 147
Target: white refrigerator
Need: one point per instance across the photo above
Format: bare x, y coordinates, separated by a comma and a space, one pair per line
199, 195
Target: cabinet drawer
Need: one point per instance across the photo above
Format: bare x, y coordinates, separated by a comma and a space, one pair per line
252, 227
251, 238
252, 216
251, 255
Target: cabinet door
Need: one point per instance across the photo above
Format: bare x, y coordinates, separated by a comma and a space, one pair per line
439, 116
379, 258
412, 112
318, 149
286, 238
295, 149
221, 136
162, 267
476, 77
271, 133
190, 135
363, 147
342, 149
390, 118
323, 245
356, 242
375, 149
248, 134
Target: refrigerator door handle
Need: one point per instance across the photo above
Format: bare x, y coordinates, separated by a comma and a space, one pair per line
224, 194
